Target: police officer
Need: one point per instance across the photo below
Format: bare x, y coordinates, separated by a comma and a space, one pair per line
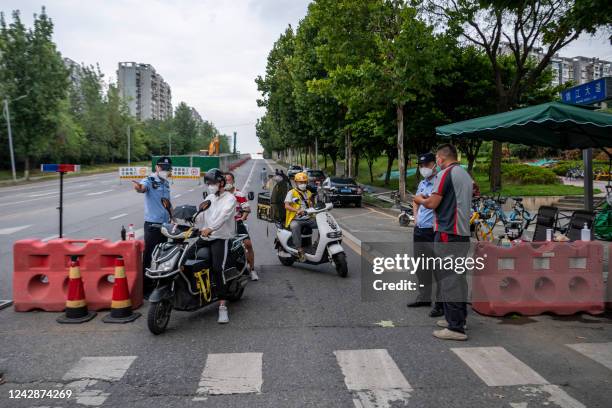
424, 235
155, 187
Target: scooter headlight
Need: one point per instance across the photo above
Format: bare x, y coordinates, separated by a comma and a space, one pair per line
335, 234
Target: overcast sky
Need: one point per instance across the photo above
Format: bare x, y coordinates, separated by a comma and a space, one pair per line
209, 51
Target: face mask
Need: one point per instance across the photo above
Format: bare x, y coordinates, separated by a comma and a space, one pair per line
426, 172
213, 189
229, 186
302, 186
163, 174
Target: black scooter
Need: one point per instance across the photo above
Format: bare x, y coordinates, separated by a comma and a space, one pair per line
182, 268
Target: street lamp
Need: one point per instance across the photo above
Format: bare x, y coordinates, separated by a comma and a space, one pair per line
7, 116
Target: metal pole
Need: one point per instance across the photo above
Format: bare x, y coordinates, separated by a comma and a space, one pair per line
587, 158
234, 142
169, 145
129, 145
10, 137
316, 163
61, 204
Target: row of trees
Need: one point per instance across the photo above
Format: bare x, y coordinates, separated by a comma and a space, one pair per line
362, 78
83, 120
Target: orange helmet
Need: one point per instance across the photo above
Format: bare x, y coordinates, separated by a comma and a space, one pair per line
301, 177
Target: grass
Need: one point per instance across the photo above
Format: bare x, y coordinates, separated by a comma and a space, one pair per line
6, 176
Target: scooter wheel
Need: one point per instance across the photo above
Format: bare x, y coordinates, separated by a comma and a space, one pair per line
286, 261
340, 263
159, 316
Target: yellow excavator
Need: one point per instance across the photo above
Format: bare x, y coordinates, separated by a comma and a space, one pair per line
213, 147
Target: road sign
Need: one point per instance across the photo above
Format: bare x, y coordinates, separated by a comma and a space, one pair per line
61, 169
591, 92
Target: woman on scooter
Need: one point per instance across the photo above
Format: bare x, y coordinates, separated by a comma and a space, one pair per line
217, 228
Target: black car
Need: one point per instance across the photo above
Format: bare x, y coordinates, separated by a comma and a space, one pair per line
315, 178
293, 170
340, 191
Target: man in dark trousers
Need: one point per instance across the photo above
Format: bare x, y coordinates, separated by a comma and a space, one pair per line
423, 237
451, 201
155, 187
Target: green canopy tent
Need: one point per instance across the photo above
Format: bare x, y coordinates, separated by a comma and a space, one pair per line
552, 124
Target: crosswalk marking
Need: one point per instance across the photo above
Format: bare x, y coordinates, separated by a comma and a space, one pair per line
231, 373
89, 370
600, 352
497, 367
373, 376
12, 230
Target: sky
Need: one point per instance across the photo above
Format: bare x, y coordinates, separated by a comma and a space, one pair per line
208, 51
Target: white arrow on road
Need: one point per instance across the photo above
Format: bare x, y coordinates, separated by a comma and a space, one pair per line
12, 230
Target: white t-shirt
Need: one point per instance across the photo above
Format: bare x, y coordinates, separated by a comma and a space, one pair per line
219, 217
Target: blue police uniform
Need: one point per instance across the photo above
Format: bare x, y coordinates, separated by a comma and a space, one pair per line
425, 215
157, 188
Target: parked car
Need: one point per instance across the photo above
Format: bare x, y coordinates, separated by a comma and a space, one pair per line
341, 191
315, 179
293, 170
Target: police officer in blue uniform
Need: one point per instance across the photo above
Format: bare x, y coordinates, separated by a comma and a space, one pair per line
424, 234
155, 187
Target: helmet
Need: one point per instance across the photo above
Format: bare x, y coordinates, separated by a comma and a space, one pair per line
301, 177
165, 163
214, 176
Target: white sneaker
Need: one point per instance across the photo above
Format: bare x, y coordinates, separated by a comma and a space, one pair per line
223, 315
446, 334
254, 276
444, 324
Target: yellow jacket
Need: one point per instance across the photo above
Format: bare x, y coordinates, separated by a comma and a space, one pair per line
290, 215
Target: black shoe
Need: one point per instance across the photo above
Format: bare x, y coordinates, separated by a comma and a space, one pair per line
436, 312
418, 304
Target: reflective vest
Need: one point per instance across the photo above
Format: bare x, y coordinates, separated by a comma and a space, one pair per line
290, 215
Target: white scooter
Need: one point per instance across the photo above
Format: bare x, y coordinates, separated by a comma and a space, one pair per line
327, 248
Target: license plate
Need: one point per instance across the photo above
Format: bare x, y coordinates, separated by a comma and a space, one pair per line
345, 190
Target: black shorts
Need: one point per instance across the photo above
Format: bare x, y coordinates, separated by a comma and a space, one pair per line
241, 229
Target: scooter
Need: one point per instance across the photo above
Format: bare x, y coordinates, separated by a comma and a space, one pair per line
182, 268
327, 248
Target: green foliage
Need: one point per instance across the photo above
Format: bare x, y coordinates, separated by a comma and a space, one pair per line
525, 174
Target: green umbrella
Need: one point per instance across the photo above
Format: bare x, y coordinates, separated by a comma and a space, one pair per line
551, 124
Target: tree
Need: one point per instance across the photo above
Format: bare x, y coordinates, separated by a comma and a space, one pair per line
32, 66
525, 29
185, 130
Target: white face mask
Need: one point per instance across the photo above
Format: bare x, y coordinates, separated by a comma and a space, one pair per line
213, 189
229, 186
302, 186
426, 172
163, 174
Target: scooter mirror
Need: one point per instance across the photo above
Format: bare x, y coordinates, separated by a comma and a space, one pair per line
167, 205
204, 194
251, 196
204, 205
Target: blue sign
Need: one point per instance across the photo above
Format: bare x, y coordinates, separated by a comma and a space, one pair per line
589, 93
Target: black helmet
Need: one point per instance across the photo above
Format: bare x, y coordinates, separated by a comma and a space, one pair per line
214, 176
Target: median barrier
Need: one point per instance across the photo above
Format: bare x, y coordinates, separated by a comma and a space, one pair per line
40, 278
530, 279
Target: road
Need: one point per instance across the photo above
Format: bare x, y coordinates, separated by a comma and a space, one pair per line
300, 337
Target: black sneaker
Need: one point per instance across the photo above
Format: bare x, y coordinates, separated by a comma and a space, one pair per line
418, 304
435, 312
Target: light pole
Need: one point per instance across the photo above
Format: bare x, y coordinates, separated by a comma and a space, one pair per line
7, 116
129, 145
169, 145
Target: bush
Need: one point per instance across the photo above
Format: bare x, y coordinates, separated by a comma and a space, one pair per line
525, 174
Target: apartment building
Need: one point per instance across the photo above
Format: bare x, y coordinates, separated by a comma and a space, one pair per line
146, 93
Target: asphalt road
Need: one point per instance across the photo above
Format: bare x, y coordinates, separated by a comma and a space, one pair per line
301, 336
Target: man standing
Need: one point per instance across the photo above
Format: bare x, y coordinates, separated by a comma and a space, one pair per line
155, 187
424, 235
451, 200
264, 176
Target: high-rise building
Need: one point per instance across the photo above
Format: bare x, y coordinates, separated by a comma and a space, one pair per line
146, 93
196, 115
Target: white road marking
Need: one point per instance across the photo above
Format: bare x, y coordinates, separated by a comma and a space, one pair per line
88, 370
118, 216
12, 230
46, 193
600, 352
244, 187
231, 373
373, 377
190, 190
497, 367
139, 233
99, 192
177, 195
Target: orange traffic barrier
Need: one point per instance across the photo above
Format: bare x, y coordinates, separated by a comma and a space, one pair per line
76, 305
121, 304
530, 279
39, 272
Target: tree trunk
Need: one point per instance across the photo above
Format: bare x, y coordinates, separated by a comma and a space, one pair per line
349, 152
370, 164
400, 151
325, 160
495, 174
390, 159
471, 159
26, 170
356, 165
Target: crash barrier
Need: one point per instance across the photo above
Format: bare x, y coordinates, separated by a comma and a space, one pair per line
178, 173
238, 163
40, 272
530, 279
264, 208
609, 288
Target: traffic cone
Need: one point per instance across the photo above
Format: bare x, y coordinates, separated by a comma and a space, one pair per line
121, 305
76, 306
